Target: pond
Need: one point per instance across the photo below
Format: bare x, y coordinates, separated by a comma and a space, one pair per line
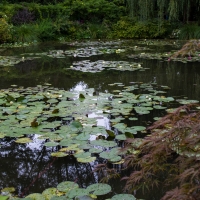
101, 81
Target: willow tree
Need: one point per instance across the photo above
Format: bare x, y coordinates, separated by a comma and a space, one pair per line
164, 9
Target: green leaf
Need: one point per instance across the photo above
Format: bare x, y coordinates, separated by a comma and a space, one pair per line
66, 186
123, 196
4, 197
23, 140
36, 196
110, 133
99, 188
81, 96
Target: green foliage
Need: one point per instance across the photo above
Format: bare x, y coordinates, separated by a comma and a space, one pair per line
94, 10
4, 29
24, 33
45, 30
188, 32
148, 29
169, 156
173, 10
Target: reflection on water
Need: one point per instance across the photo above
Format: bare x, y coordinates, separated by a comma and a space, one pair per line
29, 167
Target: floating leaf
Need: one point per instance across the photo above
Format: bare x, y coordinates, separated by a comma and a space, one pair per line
4, 197
48, 193
123, 196
51, 144
77, 192
66, 186
36, 196
86, 159
103, 143
23, 140
99, 188
121, 137
8, 189
94, 150
59, 154
110, 133
76, 125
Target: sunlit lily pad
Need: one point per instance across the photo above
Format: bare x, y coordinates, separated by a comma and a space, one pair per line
86, 159
48, 193
23, 140
4, 197
36, 196
59, 154
8, 189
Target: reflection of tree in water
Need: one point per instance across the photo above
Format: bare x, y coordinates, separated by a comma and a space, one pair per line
32, 170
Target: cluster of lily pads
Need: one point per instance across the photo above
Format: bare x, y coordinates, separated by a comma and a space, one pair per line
98, 66
69, 119
83, 52
159, 42
12, 60
166, 56
68, 190
17, 44
96, 43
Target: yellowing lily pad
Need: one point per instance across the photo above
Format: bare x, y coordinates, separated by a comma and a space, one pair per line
36, 196
23, 140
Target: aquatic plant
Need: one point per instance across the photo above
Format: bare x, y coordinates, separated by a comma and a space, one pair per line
189, 49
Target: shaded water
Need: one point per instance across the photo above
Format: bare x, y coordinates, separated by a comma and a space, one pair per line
29, 167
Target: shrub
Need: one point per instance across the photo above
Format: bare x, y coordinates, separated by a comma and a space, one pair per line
189, 32
22, 16
188, 49
24, 33
5, 29
169, 156
46, 30
126, 28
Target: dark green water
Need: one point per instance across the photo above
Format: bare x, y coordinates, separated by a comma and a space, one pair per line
30, 168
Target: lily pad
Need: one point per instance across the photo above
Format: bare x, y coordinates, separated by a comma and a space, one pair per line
23, 140
77, 192
51, 144
36, 196
123, 196
86, 159
4, 197
99, 188
67, 186
48, 193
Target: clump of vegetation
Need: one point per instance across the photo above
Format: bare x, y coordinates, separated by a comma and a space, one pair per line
189, 31
188, 49
168, 157
4, 29
22, 16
